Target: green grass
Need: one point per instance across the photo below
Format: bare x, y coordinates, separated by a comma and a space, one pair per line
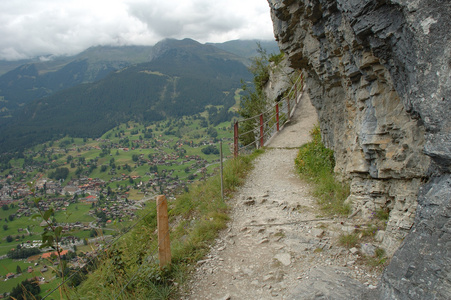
76, 212
378, 261
191, 132
196, 218
349, 240
315, 164
9, 265
9, 284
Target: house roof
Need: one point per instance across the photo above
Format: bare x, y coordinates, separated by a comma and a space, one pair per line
48, 254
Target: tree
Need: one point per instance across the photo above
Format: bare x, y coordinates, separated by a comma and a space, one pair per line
5, 227
20, 253
93, 233
212, 132
9, 239
210, 149
59, 173
26, 288
18, 269
5, 207
254, 101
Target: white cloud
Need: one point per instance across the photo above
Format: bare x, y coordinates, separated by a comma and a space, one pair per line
40, 27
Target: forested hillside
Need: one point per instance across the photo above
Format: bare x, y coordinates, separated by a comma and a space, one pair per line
38, 79
183, 79
24, 81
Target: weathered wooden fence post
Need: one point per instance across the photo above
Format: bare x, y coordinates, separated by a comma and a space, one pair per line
164, 244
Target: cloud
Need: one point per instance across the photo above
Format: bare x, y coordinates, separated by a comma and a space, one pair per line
41, 27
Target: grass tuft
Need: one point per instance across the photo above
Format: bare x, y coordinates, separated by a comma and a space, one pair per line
349, 240
315, 164
380, 259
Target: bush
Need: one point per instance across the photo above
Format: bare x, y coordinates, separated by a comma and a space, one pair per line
27, 289
316, 164
349, 240
23, 253
59, 173
210, 150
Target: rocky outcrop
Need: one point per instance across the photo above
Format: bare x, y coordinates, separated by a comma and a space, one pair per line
378, 73
281, 79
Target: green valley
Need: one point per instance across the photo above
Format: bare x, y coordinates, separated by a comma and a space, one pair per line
97, 187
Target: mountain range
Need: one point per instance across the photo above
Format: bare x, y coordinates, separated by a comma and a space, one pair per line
92, 92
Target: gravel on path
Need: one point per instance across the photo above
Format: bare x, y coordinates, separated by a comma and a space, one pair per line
277, 245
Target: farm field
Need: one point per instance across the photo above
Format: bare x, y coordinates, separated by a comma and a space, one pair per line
129, 163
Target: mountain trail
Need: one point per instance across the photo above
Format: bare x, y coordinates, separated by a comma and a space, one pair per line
277, 245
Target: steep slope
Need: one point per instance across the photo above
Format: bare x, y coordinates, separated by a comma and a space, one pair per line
379, 77
182, 80
29, 80
38, 79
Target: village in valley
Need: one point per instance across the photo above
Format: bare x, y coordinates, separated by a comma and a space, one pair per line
95, 188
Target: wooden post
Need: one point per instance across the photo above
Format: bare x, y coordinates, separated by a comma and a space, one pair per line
164, 245
235, 139
261, 131
277, 115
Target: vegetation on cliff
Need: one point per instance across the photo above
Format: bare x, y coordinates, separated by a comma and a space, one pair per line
316, 164
254, 100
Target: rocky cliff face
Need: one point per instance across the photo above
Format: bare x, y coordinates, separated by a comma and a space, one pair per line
378, 73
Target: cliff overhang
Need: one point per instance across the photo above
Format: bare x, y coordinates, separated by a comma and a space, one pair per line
378, 73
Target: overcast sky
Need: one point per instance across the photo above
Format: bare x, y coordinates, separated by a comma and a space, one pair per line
30, 28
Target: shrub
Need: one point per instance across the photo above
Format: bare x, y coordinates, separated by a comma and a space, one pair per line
382, 214
316, 164
348, 240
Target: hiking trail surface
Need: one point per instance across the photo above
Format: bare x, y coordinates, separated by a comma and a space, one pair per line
278, 244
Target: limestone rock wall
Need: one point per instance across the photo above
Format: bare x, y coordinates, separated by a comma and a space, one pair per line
281, 78
379, 77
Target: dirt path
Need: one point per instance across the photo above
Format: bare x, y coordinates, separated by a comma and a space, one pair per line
276, 245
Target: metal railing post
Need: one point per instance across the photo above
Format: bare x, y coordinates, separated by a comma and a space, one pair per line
295, 93
235, 139
289, 109
259, 141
